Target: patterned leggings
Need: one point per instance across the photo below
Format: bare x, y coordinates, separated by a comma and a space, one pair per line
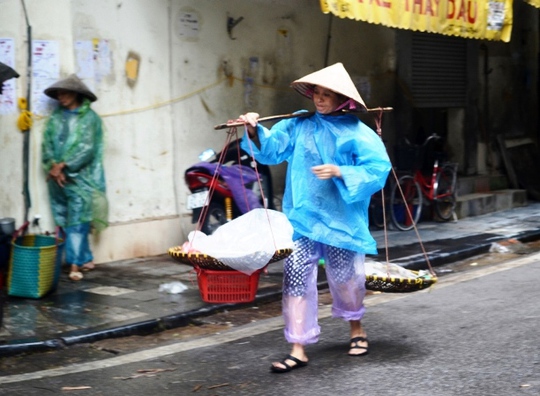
346, 280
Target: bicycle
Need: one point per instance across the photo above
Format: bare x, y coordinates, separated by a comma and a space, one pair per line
437, 186
407, 194
379, 214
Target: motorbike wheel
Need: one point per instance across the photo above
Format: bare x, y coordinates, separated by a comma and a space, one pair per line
215, 218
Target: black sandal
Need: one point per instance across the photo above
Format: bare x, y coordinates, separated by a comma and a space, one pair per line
354, 342
288, 368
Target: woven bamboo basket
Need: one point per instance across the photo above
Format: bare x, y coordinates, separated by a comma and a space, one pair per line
204, 261
398, 285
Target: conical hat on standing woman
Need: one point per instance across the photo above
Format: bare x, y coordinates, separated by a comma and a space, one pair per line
71, 83
334, 78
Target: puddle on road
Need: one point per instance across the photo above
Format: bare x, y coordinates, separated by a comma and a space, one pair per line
71, 311
109, 290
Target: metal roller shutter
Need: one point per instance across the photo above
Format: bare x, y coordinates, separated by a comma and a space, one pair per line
438, 70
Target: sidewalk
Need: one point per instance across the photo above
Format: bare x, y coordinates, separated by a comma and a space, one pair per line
122, 298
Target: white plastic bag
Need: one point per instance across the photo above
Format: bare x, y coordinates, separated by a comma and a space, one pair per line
172, 288
248, 242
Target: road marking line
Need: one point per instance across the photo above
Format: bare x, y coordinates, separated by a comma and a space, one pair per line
256, 328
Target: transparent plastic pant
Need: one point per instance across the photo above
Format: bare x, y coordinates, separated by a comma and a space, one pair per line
346, 281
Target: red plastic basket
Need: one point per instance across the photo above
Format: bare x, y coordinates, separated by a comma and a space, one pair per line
227, 286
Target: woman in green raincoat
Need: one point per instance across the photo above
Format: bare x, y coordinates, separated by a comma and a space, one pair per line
72, 156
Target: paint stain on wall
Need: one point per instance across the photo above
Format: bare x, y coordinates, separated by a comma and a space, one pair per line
132, 68
206, 107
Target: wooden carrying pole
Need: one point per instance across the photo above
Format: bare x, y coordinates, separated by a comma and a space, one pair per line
236, 123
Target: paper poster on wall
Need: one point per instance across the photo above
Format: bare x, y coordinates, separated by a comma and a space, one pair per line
93, 59
188, 25
84, 57
495, 18
8, 99
45, 72
102, 57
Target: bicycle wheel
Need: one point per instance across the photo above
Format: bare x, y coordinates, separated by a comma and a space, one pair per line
444, 198
376, 215
406, 203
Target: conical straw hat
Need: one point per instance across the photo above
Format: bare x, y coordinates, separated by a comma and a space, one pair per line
334, 78
71, 83
7, 73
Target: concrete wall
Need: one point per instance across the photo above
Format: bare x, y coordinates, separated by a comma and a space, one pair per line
192, 76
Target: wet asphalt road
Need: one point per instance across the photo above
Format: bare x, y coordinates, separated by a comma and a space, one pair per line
474, 333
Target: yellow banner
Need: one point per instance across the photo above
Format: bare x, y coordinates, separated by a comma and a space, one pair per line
478, 19
535, 3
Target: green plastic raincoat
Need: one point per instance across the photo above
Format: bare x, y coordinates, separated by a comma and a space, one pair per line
76, 138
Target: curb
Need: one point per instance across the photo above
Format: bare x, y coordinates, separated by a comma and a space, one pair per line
473, 246
140, 328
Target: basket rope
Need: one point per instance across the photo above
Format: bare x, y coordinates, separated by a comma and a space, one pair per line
205, 261
387, 283
204, 212
373, 282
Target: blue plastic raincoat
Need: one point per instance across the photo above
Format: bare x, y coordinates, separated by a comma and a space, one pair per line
333, 211
79, 143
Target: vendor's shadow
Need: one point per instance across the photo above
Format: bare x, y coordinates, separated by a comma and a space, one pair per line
385, 350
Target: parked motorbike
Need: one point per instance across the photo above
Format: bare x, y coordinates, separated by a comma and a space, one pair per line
233, 192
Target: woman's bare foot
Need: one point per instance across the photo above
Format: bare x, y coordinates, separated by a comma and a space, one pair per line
359, 346
359, 342
74, 273
288, 363
88, 266
297, 358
